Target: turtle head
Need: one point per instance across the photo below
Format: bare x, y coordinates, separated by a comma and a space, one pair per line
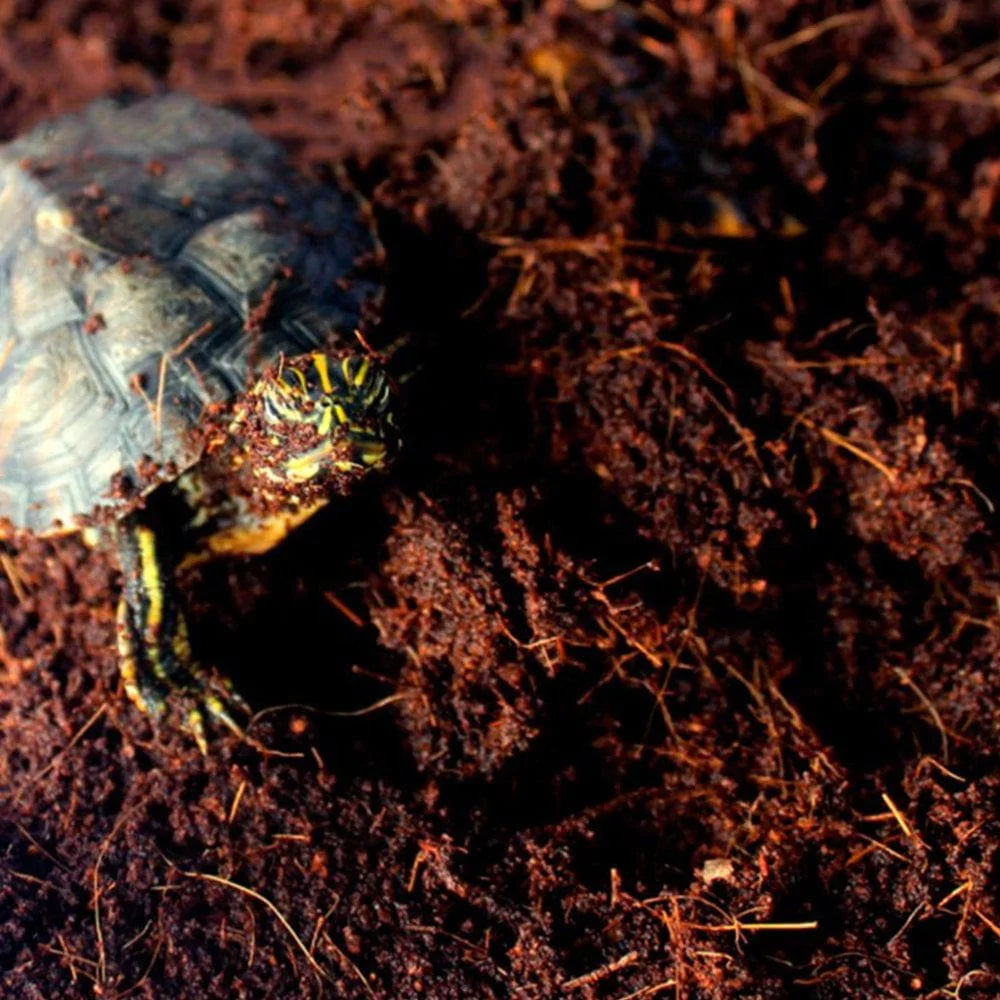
329, 417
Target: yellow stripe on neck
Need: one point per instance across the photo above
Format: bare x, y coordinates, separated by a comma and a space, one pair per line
152, 580
252, 537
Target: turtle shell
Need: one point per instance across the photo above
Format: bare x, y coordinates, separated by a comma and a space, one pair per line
155, 255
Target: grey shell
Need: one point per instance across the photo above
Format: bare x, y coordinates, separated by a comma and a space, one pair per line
154, 256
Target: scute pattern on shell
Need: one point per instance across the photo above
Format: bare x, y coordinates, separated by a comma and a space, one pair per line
138, 242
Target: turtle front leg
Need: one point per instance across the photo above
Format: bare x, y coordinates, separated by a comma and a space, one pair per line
153, 643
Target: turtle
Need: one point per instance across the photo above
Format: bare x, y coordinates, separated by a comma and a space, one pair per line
183, 373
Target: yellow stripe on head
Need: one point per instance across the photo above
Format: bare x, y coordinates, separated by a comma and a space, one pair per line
377, 388
286, 407
361, 374
303, 467
325, 421
323, 370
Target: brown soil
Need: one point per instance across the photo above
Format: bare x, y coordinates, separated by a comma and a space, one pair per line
667, 661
